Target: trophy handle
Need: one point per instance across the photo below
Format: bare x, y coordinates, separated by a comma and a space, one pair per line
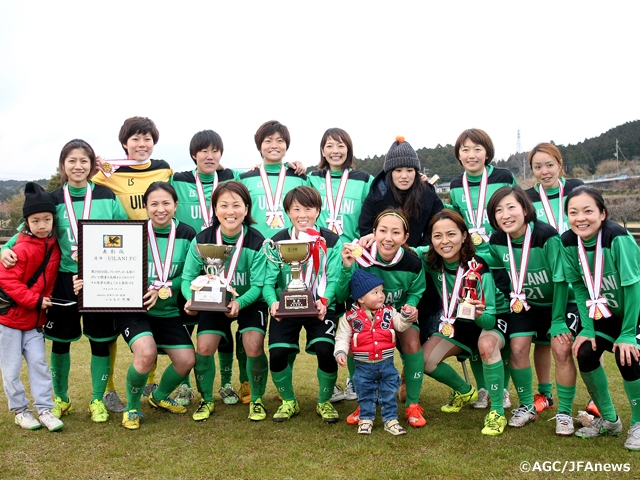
269, 246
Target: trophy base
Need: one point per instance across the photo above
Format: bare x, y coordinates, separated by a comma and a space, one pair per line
210, 299
297, 303
466, 311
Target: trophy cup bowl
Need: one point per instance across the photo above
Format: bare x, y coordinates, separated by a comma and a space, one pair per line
296, 300
212, 297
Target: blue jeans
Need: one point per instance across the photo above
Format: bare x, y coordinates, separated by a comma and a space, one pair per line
381, 377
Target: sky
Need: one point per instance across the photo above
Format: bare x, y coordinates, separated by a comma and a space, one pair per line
561, 71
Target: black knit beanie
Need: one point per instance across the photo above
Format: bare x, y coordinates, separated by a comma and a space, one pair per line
401, 154
37, 200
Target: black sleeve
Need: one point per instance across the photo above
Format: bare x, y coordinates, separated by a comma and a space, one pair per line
367, 216
436, 205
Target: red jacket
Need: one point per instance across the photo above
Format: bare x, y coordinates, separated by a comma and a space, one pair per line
26, 313
373, 339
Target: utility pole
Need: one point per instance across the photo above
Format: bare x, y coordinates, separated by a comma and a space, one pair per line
616, 154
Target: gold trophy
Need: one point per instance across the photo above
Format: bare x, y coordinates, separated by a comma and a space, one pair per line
210, 293
466, 309
296, 300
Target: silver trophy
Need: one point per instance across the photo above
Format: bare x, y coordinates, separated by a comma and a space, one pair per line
210, 292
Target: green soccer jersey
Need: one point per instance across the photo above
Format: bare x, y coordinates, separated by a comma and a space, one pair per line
404, 281
248, 278
357, 189
253, 181
496, 178
278, 277
553, 194
189, 210
620, 279
168, 308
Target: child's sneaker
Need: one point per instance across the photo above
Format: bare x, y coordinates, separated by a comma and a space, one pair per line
483, 399
365, 427
27, 421
50, 421
394, 428
61, 408
228, 394
350, 391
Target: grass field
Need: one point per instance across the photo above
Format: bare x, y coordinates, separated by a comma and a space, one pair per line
228, 445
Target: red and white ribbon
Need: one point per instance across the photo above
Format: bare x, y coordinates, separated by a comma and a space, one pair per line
315, 276
368, 258
116, 164
227, 278
548, 211
596, 302
517, 277
73, 222
206, 212
162, 270
333, 222
476, 219
274, 214
449, 305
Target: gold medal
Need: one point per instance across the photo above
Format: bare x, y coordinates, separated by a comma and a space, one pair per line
517, 306
106, 167
357, 251
447, 330
476, 239
275, 223
163, 293
75, 256
598, 314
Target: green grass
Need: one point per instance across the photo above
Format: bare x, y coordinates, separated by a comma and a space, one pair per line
230, 446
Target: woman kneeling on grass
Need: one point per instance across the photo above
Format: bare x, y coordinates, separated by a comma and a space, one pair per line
458, 274
602, 261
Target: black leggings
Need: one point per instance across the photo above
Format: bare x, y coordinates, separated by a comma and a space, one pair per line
589, 360
98, 349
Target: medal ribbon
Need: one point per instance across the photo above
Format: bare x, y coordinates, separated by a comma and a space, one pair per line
73, 222
116, 164
162, 271
207, 213
315, 264
548, 211
333, 222
368, 258
447, 316
482, 197
227, 279
597, 302
517, 278
273, 212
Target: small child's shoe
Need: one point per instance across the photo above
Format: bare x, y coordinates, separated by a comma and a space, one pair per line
394, 428
365, 427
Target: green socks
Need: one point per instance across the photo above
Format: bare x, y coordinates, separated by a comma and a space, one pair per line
284, 383
545, 389
598, 387
60, 366
565, 398
506, 361
475, 361
445, 373
168, 382
205, 370
523, 380
257, 370
241, 355
494, 378
633, 393
413, 371
327, 381
226, 367
99, 376
135, 386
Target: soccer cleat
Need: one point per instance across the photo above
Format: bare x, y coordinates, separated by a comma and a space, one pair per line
506, 399
592, 409
49, 420
26, 420
494, 423
365, 427
98, 411
483, 399
458, 400
245, 393
600, 427
402, 391
523, 415
112, 402
413, 414
228, 394
257, 411
288, 409
184, 395
633, 438
542, 402
168, 404
338, 394
149, 388
564, 424
350, 391
394, 428
61, 408
131, 419
327, 412
203, 412
354, 418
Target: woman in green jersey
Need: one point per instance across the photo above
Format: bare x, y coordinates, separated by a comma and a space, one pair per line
391, 259
461, 274
245, 276
529, 250
602, 261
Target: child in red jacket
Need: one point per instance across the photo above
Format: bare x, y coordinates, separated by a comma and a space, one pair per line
21, 332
